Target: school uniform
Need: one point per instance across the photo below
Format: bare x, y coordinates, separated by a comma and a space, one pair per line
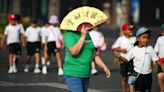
43, 34
142, 62
33, 40
126, 43
159, 48
98, 40
13, 33
53, 34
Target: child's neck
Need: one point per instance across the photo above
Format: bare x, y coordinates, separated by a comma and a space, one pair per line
140, 45
127, 36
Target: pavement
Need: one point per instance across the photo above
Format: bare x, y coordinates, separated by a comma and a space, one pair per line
30, 82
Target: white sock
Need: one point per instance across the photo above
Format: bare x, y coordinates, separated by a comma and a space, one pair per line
36, 65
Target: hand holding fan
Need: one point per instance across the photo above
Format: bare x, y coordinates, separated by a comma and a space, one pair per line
88, 16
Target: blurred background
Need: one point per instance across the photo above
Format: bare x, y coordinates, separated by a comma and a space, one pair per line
138, 12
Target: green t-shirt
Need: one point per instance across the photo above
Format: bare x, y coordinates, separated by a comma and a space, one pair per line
78, 65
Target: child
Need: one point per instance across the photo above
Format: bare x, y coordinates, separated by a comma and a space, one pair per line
99, 43
159, 49
33, 46
53, 35
122, 45
12, 33
43, 32
142, 56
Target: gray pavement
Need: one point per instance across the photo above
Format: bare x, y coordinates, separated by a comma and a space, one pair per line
30, 82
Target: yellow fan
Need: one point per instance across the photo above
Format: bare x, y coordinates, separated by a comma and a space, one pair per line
83, 15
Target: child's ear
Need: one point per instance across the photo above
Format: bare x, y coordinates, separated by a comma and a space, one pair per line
138, 38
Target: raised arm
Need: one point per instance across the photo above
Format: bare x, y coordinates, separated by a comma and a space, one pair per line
75, 49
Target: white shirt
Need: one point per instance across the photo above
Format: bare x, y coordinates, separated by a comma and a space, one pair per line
53, 34
124, 42
97, 38
21, 28
159, 46
33, 34
43, 33
142, 58
13, 33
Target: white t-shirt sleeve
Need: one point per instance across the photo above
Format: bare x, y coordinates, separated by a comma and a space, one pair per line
47, 33
154, 56
116, 44
27, 32
40, 32
129, 56
6, 30
60, 35
156, 47
22, 29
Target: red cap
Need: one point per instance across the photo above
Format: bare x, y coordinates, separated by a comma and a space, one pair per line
11, 17
126, 26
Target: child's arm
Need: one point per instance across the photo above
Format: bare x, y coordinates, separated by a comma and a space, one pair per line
117, 54
100, 63
158, 62
3, 39
23, 40
122, 50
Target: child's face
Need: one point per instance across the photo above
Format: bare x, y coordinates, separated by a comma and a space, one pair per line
143, 39
128, 33
33, 25
13, 22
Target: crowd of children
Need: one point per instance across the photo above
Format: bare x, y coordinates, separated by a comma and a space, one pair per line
33, 39
136, 57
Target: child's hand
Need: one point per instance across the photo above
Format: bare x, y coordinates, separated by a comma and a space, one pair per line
107, 72
123, 50
116, 54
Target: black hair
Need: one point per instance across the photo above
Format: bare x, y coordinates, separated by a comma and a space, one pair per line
34, 22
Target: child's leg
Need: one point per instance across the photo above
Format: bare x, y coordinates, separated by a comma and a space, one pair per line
59, 59
161, 80
124, 83
94, 70
59, 62
47, 54
37, 62
11, 63
28, 60
124, 74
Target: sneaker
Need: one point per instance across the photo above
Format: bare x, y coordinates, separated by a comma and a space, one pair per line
10, 70
26, 69
94, 71
37, 70
60, 71
14, 68
44, 69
